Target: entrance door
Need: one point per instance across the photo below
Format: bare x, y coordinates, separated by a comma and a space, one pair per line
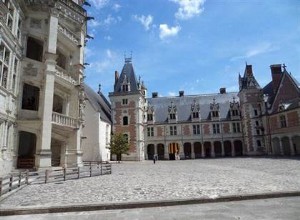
173, 151
27, 146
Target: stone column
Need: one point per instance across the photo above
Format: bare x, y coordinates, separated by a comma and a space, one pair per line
181, 151
281, 147
155, 149
202, 150
292, 147
166, 156
44, 155
212, 149
192, 151
232, 149
223, 150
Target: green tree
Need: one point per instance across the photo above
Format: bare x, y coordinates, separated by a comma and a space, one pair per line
119, 145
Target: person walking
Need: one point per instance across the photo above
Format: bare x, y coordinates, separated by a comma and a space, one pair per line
154, 158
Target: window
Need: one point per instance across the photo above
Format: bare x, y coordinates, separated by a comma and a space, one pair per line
236, 127
61, 60
125, 101
125, 88
173, 130
282, 121
34, 49
150, 132
149, 117
126, 137
215, 114
196, 129
125, 120
235, 112
30, 99
4, 65
195, 114
258, 143
172, 116
255, 112
258, 131
257, 123
216, 128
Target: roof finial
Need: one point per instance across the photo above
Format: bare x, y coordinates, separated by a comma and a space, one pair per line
128, 59
99, 88
284, 67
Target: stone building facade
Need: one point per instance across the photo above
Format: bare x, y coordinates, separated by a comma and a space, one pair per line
252, 121
41, 92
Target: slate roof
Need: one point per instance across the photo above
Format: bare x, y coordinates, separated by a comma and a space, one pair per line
184, 103
128, 72
248, 80
99, 103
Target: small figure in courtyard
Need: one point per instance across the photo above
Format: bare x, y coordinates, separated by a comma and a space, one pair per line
155, 158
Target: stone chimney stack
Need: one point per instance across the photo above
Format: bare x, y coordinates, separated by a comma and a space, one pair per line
222, 90
276, 76
181, 93
116, 77
154, 94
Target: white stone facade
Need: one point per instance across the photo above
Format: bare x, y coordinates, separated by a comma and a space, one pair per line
41, 93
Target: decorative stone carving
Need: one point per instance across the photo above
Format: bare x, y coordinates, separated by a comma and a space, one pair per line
68, 34
30, 70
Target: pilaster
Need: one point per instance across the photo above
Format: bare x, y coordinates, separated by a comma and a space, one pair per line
292, 147
232, 149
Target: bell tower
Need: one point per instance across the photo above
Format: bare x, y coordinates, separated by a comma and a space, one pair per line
128, 102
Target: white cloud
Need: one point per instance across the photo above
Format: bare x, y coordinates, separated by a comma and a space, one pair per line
99, 3
257, 50
111, 20
93, 23
107, 38
166, 31
109, 53
116, 7
171, 93
104, 63
146, 21
188, 8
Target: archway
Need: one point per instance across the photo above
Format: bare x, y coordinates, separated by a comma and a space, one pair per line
161, 151
218, 149
207, 149
276, 146
187, 150
150, 151
227, 148
286, 146
26, 152
197, 149
238, 148
296, 144
173, 150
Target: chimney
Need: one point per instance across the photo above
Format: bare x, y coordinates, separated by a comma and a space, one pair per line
248, 70
154, 94
276, 76
181, 93
222, 90
116, 77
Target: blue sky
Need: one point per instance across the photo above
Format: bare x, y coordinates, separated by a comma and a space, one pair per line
193, 45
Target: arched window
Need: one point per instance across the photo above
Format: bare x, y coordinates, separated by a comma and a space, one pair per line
125, 120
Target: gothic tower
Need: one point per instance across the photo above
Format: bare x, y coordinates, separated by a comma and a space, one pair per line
128, 102
253, 111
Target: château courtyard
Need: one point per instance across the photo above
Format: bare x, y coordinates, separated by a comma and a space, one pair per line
166, 180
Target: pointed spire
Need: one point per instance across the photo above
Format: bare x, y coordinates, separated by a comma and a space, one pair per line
99, 88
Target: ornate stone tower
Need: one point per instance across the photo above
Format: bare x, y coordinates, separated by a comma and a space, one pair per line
252, 110
128, 102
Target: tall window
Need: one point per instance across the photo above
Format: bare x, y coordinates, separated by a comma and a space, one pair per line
195, 114
126, 137
236, 127
125, 120
30, 99
172, 116
216, 128
34, 49
215, 114
235, 112
173, 130
150, 131
124, 101
196, 129
125, 88
282, 121
149, 117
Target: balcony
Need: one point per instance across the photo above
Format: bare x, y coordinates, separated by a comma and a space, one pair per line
64, 120
65, 76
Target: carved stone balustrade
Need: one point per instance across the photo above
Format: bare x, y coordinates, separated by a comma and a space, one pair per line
64, 120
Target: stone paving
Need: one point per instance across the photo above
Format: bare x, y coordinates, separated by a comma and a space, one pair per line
166, 180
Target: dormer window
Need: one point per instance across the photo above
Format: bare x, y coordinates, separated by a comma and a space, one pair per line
126, 84
234, 109
214, 110
195, 111
172, 112
150, 113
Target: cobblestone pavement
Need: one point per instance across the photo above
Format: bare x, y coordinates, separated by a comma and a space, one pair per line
166, 180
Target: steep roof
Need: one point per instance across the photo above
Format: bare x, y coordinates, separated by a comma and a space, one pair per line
248, 81
127, 75
184, 103
99, 103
